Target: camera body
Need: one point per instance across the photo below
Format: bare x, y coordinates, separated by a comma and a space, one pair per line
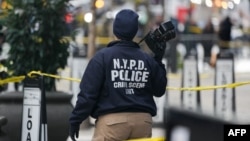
157, 39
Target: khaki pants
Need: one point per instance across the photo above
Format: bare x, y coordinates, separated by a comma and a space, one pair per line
123, 126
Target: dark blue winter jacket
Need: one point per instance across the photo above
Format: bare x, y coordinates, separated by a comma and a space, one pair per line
119, 78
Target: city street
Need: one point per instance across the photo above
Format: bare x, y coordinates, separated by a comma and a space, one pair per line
204, 44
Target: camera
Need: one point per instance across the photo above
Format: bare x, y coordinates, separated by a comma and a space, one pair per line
156, 40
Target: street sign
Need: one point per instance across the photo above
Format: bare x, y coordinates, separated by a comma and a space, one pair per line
224, 98
190, 78
34, 118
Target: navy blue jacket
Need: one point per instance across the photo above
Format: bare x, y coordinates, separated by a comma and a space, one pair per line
119, 78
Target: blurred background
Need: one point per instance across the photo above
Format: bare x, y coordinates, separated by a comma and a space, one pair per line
197, 24
200, 17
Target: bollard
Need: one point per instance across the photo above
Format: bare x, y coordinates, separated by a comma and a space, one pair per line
34, 118
190, 78
224, 98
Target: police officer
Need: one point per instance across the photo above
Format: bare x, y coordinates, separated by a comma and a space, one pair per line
118, 86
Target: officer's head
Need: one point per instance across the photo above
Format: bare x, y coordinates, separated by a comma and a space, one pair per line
125, 25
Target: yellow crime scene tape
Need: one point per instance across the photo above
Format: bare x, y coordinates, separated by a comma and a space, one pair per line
199, 88
149, 139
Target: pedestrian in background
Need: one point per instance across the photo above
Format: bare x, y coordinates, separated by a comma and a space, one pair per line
118, 86
191, 28
208, 31
224, 35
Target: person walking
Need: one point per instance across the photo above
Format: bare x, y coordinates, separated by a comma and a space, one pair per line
224, 36
208, 42
118, 86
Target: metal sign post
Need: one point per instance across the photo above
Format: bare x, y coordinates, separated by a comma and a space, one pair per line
224, 98
34, 118
190, 78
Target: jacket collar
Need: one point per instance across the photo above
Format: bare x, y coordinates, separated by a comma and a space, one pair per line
123, 43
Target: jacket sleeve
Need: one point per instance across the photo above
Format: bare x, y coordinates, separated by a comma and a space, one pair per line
159, 78
90, 86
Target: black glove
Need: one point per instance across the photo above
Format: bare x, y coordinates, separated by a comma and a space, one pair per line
159, 50
74, 132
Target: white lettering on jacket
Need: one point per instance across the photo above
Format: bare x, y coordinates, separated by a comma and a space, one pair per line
129, 74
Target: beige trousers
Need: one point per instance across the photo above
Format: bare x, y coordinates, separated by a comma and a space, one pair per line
123, 126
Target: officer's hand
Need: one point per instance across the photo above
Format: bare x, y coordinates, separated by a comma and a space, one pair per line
159, 50
74, 132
